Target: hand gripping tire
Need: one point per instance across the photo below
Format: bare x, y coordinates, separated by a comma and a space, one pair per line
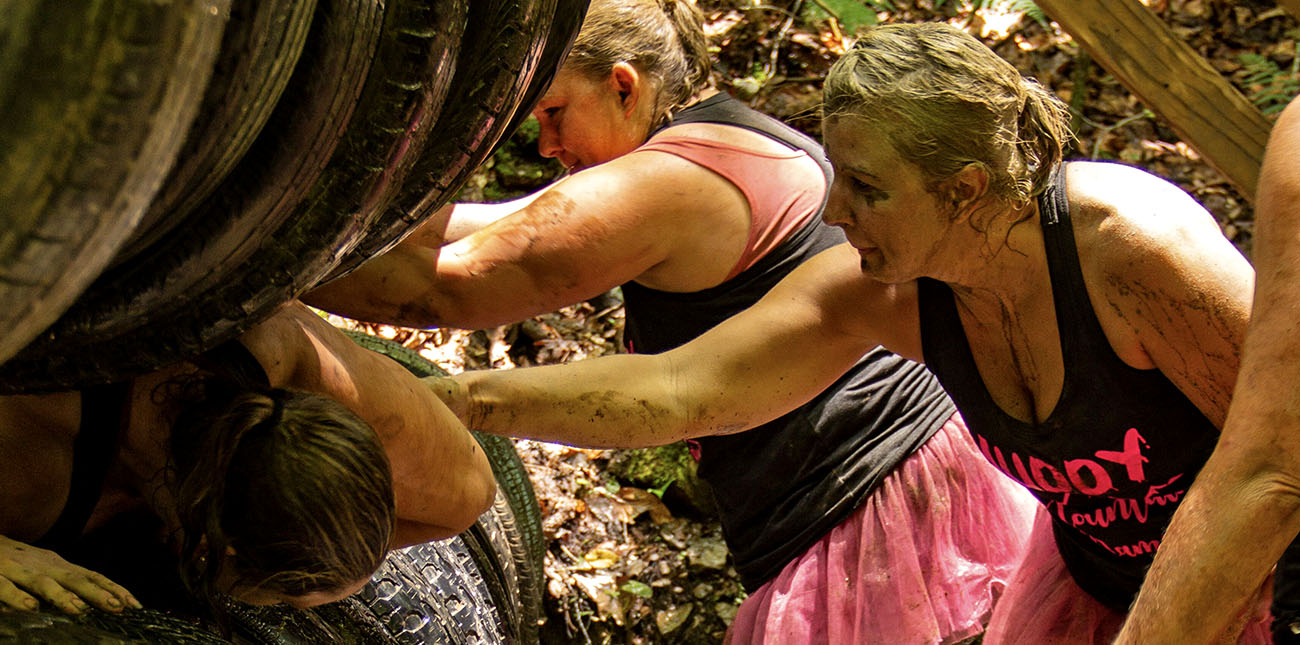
299, 199
96, 99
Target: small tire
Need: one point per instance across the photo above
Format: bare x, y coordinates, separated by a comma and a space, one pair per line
137, 627
569, 15
529, 551
504, 50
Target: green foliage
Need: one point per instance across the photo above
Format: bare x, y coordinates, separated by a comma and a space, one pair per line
851, 14
659, 492
638, 589
1270, 87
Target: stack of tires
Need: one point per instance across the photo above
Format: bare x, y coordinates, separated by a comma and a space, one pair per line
172, 171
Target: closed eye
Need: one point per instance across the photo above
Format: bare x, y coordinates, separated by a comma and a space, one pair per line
867, 191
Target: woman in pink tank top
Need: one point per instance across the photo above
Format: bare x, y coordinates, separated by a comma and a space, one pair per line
688, 209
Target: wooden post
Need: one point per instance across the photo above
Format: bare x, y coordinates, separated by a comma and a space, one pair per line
1292, 6
1174, 81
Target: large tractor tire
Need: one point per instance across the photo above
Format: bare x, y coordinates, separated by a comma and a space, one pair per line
564, 29
97, 98
361, 104
487, 93
259, 51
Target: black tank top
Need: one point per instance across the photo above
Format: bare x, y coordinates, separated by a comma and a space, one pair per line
782, 486
103, 418
104, 412
1117, 453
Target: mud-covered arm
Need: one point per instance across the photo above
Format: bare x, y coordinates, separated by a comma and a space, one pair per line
442, 480
588, 233
1174, 292
457, 221
748, 370
1245, 505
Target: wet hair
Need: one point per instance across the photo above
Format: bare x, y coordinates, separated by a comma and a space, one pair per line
944, 100
285, 491
661, 38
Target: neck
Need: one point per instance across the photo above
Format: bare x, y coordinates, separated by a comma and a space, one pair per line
998, 254
146, 447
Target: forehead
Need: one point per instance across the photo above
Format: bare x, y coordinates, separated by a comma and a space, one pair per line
855, 143
568, 82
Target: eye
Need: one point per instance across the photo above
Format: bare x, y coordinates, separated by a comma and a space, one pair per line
866, 190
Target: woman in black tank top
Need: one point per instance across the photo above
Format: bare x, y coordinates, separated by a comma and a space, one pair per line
1085, 318
266, 462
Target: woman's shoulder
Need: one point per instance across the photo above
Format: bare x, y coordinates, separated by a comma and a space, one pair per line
1119, 208
729, 135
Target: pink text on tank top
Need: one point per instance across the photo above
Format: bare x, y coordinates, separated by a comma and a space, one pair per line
1095, 476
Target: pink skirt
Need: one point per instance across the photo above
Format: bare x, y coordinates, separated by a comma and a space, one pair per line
1042, 604
923, 560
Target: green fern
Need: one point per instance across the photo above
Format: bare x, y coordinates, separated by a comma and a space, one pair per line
851, 14
1270, 87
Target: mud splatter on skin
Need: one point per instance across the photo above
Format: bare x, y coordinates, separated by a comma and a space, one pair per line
537, 249
1016, 359
608, 410
1201, 357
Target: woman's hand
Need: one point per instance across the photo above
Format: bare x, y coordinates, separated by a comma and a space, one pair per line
28, 573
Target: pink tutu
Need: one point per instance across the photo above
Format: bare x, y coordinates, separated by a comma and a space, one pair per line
921, 561
1042, 604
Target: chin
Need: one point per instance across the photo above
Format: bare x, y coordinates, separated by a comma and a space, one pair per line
874, 267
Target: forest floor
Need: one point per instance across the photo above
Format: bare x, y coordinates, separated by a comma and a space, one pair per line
624, 565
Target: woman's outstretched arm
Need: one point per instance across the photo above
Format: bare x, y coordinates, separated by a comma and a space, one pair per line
1244, 508
748, 370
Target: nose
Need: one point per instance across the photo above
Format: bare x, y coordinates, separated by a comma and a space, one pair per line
548, 139
835, 213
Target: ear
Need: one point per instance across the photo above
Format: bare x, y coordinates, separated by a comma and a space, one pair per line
967, 187
625, 80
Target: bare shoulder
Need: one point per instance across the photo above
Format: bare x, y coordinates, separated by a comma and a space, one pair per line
1120, 200
1126, 219
298, 348
1170, 291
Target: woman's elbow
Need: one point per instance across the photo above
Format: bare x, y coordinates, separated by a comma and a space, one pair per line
478, 493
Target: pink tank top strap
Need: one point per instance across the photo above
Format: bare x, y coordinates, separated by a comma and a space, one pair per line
784, 189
